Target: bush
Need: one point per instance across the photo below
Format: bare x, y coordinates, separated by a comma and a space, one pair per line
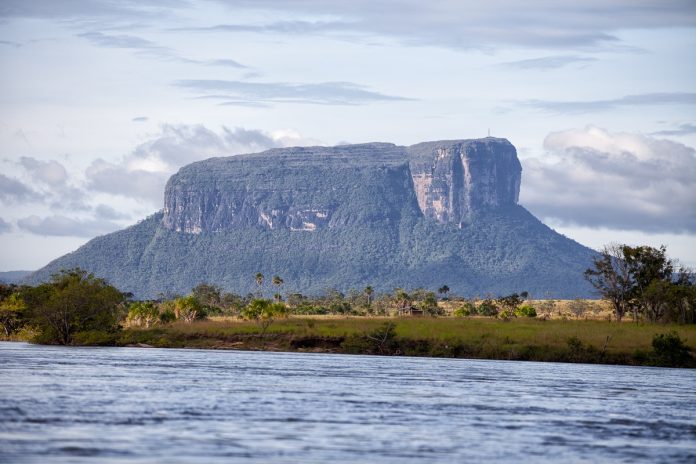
381, 340
95, 338
670, 350
525, 311
167, 316
142, 314
467, 309
487, 308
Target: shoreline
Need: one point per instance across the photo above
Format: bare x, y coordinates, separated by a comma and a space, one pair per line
518, 339
593, 342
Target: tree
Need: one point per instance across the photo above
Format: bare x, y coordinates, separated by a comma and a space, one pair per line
277, 281
12, 313
188, 308
264, 312
656, 298
647, 266
487, 308
682, 300
207, 294
259, 283
611, 277
402, 299
429, 304
142, 313
578, 307
444, 290
369, 291
73, 301
509, 304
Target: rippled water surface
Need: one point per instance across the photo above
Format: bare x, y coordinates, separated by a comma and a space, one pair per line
163, 405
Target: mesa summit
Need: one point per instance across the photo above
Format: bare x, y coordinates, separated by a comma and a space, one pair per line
378, 214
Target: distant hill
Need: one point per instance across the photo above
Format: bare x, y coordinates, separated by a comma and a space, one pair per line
13, 277
343, 217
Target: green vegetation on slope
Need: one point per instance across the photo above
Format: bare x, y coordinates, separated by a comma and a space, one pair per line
499, 252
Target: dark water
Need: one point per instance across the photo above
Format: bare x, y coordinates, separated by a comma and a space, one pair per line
151, 405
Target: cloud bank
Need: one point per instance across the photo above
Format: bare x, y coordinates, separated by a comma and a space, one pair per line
143, 173
13, 191
63, 226
591, 177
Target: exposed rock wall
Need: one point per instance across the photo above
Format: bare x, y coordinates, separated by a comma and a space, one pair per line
305, 189
454, 179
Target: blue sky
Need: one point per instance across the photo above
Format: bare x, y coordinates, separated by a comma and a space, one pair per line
100, 102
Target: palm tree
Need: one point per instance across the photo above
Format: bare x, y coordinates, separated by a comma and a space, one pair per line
403, 300
443, 290
277, 281
368, 292
259, 282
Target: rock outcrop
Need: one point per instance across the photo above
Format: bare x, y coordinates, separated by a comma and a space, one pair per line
305, 189
343, 217
454, 179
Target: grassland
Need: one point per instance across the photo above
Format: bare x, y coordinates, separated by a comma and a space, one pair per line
592, 341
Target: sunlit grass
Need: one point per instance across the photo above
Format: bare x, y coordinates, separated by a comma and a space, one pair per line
489, 333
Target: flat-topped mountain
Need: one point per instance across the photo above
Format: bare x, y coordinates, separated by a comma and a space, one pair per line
344, 217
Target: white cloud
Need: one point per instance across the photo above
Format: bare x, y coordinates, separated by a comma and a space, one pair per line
14, 191
53, 180
118, 179
591, 177
63, 226
143, 173
49, 172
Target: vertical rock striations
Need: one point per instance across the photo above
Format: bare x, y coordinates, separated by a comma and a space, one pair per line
454, 179
305, 189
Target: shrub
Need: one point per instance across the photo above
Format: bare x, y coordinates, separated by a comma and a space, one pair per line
487, 308
670, 350
167, 316
95, 338
188, 309
142, 314
467, 309
525, 311
264, 312
381, 340
308, 309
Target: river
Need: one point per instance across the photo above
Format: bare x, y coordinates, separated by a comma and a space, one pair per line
60, 404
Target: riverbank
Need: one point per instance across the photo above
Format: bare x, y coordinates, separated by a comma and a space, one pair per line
520, 339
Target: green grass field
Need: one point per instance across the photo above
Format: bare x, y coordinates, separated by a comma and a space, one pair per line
518, 339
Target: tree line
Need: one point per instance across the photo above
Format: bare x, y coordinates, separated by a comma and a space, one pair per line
76, 307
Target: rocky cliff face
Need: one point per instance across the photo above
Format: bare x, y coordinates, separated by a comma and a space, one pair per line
454, 179
306, 189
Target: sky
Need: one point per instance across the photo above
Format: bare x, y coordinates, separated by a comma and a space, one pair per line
101, 101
